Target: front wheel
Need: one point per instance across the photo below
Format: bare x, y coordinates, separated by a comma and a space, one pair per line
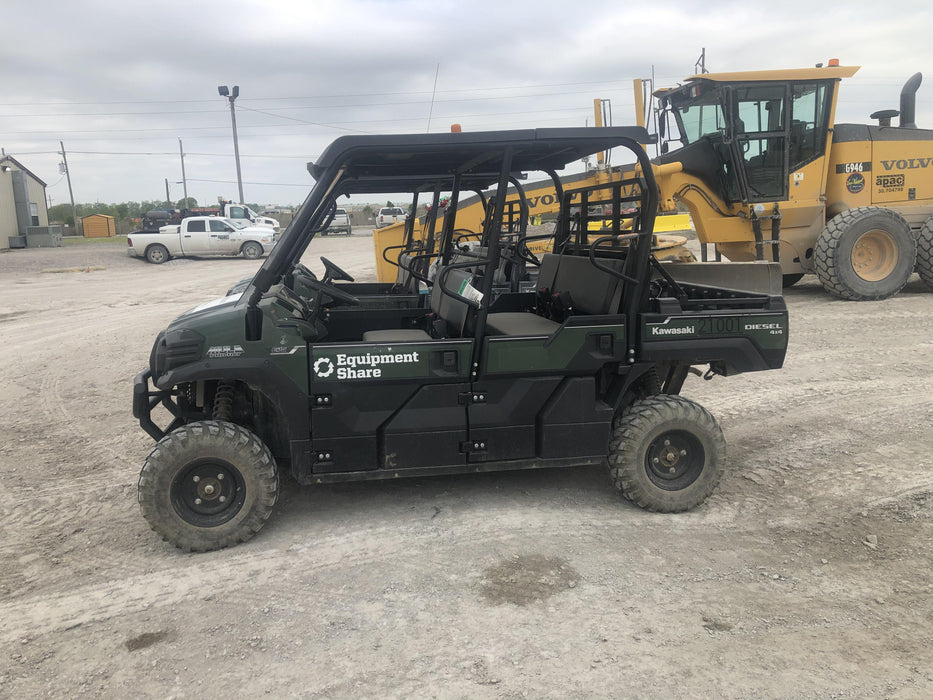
208, 485
666, 453
251, 250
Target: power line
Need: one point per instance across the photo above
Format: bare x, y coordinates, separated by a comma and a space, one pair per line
302, 121
271, 184
294, 119
316, 97
170, 153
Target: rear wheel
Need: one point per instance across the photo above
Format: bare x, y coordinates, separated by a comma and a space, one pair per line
865, 254
925, 253
251, 250
208, 485
157, 254
666, 453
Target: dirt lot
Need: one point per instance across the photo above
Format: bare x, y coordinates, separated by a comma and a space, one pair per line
808, 574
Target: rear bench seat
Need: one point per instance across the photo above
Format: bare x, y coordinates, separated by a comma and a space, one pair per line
592, 291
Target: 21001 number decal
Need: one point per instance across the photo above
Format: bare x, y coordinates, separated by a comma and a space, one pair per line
709, 326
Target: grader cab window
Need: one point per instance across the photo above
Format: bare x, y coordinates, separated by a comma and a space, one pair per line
760, 134
700, 117
808, 126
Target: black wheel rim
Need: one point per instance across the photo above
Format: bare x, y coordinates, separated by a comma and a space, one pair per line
674, 460
208, 492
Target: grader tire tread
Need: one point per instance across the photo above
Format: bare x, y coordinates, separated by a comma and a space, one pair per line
925, 253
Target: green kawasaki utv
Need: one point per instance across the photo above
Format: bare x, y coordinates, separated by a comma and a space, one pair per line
459, 366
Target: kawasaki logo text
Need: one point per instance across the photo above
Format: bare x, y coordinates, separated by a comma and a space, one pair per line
686, 330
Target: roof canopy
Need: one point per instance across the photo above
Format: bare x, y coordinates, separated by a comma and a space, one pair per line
405, 162
779, 75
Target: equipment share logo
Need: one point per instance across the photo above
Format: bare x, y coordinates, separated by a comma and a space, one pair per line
324, 367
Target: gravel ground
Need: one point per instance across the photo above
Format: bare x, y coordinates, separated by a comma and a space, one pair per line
807, 574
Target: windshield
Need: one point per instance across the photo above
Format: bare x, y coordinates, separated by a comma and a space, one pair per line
250, 213
236, 223
697, 115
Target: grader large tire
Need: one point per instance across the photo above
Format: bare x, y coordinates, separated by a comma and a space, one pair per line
865, 254
666, 453
925, 253
208, 485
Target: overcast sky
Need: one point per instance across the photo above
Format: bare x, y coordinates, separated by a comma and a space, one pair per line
120, 82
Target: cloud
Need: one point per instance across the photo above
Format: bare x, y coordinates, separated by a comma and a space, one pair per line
121, 82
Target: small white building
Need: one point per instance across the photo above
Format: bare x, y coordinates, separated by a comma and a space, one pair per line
22, 200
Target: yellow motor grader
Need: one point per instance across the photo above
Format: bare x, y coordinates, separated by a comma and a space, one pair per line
767, 175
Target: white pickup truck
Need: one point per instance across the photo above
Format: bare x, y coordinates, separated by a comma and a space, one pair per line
340, 223
390, 215
201, 235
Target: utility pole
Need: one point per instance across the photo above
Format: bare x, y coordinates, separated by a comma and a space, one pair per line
224, 91
184, 180
74, 212
168, 197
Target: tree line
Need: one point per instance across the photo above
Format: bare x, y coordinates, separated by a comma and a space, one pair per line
126, 214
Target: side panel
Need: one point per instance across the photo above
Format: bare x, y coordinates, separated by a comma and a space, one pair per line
524, 403
575, 421
736, 342
583, 348
504, 421
848, 182
379, 406
902, 171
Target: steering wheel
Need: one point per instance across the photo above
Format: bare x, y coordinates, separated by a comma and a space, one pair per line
330, 290
332, 273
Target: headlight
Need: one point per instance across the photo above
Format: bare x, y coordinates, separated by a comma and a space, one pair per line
173, 349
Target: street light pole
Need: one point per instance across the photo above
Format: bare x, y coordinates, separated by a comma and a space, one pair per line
184, 180
223, 91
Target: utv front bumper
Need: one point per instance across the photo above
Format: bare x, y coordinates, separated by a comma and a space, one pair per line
145, 399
